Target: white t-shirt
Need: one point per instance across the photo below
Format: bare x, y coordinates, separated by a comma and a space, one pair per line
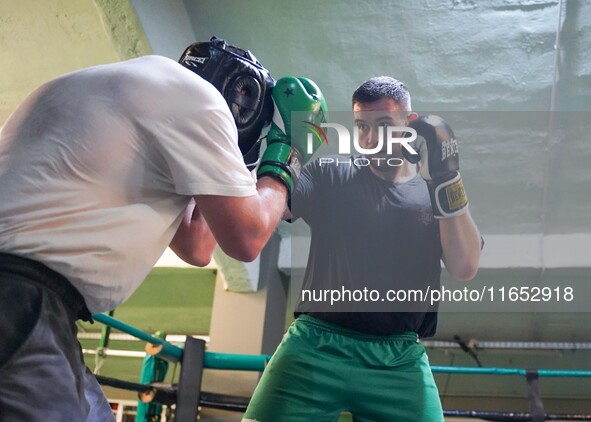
97, 167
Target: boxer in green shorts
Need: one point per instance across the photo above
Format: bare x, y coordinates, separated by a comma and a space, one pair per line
379, 222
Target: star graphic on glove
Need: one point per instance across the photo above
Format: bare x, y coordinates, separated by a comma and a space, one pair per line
288, 92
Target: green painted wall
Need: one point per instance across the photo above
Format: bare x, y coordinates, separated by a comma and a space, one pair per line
43, 39
457, 57
453, 54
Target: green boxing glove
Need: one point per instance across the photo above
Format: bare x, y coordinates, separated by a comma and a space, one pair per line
284, 157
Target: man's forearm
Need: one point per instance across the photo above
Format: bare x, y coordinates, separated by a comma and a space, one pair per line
460, 241
193, 242
243, 225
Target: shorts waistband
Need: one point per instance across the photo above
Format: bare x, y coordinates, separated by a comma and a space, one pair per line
37, 273
405, 336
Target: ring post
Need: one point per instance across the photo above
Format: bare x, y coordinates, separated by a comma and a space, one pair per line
189, 389
154, 369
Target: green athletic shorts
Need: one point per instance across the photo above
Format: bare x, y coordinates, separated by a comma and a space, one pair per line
320, 370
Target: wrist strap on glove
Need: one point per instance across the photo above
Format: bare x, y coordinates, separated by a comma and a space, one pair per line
282, 162
448, 197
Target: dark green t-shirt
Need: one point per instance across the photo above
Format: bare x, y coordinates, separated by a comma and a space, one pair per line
369, 237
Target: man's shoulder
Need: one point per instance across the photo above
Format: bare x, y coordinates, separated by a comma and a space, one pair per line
158, 70
152, 60
168, 85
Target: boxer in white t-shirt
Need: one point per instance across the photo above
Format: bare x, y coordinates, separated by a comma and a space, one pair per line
100, 170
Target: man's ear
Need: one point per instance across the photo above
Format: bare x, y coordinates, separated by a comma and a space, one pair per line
412, 116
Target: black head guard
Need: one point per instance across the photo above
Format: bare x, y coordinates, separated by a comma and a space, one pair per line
244, 83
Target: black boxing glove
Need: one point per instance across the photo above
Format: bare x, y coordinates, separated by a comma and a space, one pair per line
438, 153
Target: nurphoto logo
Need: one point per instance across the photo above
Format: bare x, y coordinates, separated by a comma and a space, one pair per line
387, 136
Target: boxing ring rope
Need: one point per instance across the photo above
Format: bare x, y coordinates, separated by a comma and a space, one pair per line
165, 350
468, 370
194, 359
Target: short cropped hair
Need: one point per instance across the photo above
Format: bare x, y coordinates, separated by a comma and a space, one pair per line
381, 87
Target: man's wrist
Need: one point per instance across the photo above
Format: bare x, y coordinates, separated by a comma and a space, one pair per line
277, 184
448, 197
